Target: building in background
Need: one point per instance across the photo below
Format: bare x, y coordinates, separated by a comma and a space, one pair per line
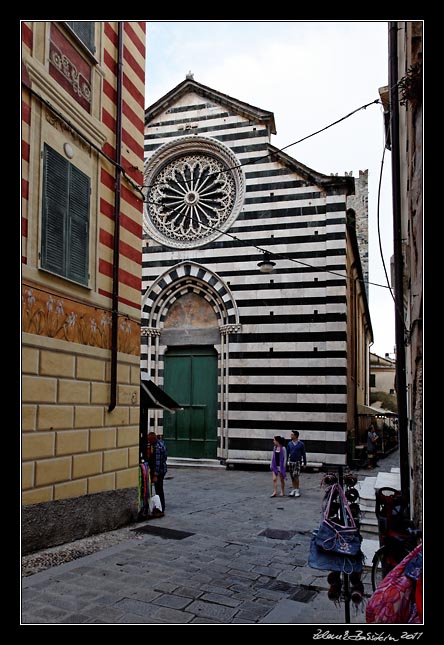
254, 315
382, 376
83, 89
359, 203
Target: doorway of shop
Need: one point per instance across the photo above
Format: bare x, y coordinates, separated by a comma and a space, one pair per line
190, 377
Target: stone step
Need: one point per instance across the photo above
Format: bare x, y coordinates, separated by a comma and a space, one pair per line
366, 488
368, 515
369, 548
368, 535
367, 505
369, 522
391, 480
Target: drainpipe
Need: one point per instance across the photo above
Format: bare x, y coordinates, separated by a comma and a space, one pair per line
356, 343
401, 383
367, 371
116, 252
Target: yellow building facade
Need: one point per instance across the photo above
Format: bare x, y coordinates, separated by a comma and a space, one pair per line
82, 168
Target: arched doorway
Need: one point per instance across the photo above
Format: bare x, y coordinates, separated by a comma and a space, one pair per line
189, 311
191, 374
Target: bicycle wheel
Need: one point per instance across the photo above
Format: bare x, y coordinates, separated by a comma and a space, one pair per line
378, 568
384, 561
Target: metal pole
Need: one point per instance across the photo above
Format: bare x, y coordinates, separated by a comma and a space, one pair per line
116, 249
345, 575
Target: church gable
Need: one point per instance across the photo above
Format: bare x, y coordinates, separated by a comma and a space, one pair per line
193, 113
212, 96
192, 108
220, 195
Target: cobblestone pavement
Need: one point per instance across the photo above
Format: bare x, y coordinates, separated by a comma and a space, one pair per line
224, 553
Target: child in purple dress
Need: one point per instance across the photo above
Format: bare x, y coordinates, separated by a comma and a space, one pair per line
278, 465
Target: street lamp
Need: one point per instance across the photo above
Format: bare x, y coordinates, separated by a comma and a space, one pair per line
266, 265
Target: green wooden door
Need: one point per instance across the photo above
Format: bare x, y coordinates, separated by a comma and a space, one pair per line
190, 378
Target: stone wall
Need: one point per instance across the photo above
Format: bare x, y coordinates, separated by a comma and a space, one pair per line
72, 447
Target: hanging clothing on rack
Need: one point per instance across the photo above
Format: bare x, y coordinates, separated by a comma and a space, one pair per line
144, 490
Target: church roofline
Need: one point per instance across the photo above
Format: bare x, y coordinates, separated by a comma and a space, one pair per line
345, 184
189, 84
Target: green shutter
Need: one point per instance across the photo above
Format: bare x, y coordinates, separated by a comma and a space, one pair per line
78, 234
65, 219
55, 211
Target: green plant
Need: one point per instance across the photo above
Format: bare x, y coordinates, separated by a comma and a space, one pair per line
410, 85
388, 401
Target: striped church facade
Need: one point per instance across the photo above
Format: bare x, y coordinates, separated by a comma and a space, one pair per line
83, 87
291, 346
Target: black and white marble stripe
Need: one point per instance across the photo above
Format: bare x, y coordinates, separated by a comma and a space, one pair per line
287, 362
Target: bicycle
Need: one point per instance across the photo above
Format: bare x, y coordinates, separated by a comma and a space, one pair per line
397, 536
392, 552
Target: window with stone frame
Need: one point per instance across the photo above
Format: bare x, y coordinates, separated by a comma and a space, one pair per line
65, 218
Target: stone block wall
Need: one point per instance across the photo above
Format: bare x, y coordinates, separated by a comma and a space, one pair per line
72, 447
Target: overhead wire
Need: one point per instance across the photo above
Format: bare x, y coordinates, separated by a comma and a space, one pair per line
253, 161
250, 162
398, 310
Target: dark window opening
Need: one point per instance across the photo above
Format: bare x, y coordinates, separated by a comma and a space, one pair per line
84, 32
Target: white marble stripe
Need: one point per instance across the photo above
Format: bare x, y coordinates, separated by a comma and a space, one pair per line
313, 435
286, 397
313, 457
290, 226
285, 284
281, 380
293, 309
277, 192
279, 205
287, 346
231, 257
291, 328
232, 143
182, 128
293, 416
268, 361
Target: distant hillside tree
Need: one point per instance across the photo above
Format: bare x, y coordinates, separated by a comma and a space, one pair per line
388, 401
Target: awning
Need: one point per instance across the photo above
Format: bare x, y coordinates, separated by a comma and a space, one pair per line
368, 410
152, 397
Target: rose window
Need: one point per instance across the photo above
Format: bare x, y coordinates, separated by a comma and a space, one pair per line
191, 196
194, 197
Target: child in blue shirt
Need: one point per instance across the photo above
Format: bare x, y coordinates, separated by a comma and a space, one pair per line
297, 459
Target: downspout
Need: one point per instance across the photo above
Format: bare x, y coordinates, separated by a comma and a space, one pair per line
401, 382
367, 372
116, 251
356, 365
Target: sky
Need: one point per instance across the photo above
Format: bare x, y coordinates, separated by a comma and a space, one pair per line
309, 74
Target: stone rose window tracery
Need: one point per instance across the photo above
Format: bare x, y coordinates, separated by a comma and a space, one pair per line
194, 192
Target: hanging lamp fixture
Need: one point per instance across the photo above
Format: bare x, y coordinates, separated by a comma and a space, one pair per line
266, 265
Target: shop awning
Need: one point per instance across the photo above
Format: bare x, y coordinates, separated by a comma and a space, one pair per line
152, 397
368, 410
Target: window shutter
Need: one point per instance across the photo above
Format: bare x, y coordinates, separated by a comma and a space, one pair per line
78, 235
65, 218
55, 209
